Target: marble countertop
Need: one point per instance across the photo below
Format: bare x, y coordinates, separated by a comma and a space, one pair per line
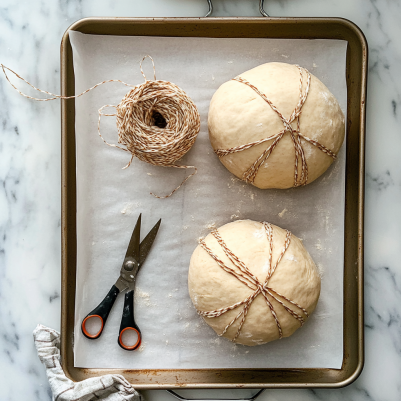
30, 34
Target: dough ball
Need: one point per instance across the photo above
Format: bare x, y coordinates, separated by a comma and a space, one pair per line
238, 116
295, 279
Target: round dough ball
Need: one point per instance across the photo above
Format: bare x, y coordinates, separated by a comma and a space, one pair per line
238, 116
296, 278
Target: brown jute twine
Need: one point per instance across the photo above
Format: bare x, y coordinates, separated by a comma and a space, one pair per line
295, 134
135, 118
243, 274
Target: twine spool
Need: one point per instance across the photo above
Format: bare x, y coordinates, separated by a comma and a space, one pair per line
157, 121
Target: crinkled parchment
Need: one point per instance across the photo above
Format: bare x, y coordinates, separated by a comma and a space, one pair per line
110, 199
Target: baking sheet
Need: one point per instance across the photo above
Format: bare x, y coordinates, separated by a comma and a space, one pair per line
109, 200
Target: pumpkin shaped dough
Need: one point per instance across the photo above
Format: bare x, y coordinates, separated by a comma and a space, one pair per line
276, 126
253, 282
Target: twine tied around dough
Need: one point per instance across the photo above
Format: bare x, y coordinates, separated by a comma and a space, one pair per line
157, 121
243, 274
295, 133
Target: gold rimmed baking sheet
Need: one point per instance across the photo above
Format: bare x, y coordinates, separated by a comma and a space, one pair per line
257, 28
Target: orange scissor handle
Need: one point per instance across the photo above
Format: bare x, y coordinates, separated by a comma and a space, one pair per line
128, 324
86, 332
127, 346
101, 312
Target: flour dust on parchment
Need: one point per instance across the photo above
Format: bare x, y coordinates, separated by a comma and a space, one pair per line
130, 207
143, 298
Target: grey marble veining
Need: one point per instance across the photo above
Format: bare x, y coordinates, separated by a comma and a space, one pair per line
30, 34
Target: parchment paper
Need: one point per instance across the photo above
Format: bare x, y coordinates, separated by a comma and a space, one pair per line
110, 199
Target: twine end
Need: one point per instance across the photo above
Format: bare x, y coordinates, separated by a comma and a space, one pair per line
154, 69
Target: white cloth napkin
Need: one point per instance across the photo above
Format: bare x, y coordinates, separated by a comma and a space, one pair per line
107, 387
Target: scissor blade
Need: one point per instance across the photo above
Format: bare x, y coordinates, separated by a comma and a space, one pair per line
133, 246
147, 243
121, 284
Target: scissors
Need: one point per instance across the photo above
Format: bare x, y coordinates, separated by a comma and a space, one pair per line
134, 258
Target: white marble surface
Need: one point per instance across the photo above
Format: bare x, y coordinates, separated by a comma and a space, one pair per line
30, 34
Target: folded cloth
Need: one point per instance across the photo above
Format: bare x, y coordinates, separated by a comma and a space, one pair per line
107, 387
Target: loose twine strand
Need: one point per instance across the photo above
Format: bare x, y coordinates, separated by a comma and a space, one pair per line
295, 133
243, 274
135, 120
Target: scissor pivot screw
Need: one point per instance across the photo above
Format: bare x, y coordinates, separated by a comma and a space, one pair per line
130, 264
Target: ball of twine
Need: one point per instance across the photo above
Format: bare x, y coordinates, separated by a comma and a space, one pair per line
157, 123
139, 133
